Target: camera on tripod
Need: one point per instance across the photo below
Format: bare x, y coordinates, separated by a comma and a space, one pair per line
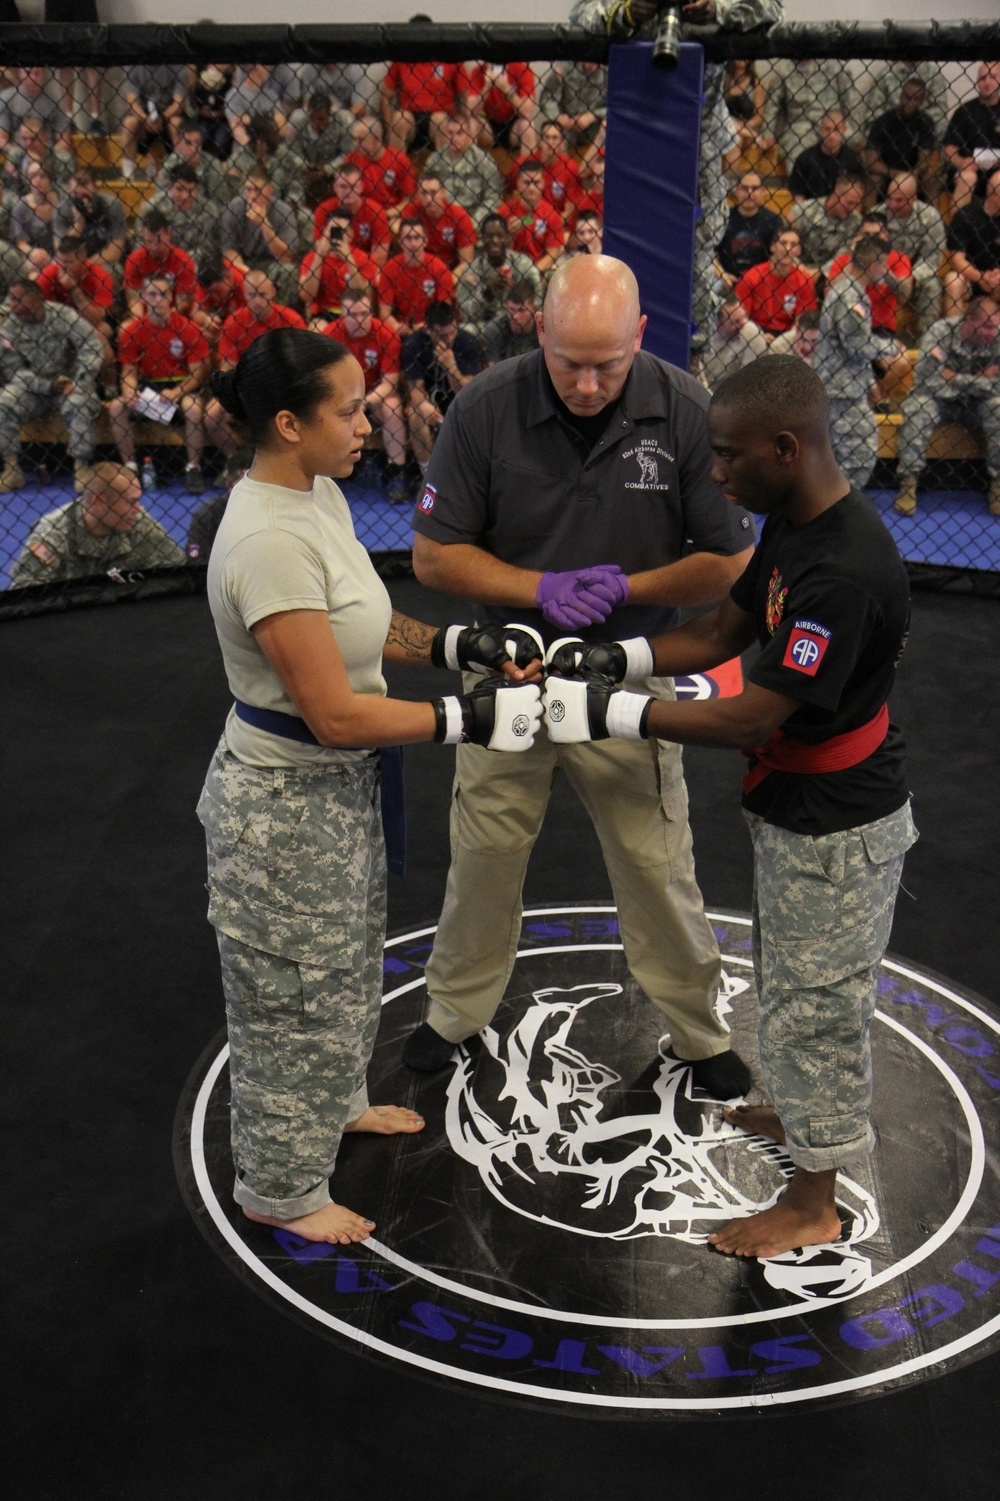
667, 41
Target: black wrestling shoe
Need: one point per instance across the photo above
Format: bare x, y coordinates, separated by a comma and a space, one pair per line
723, 1077
426, 1051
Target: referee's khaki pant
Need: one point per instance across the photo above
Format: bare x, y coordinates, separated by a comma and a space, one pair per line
635, 795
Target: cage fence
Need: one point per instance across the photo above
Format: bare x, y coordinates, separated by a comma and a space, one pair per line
171, 193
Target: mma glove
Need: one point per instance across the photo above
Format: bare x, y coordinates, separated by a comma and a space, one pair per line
581, 596
627, 662
485, 648
577, 711
500, 716
582, 700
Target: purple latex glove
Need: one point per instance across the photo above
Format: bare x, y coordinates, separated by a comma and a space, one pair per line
580, 596
611, 586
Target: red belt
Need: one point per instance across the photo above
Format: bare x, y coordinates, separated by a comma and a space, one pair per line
781, 752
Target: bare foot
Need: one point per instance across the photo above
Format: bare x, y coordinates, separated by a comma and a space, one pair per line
332, 1223
387, 1120
775, 1230
805, 1215
758, 1120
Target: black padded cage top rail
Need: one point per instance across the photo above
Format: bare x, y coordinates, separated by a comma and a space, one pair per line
66, 45
96, 123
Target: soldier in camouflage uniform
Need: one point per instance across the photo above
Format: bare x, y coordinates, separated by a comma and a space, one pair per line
50, 356
482, 287
826, 599
956, 381
719, 138
106, 529
827, 225
917, 231
847, 347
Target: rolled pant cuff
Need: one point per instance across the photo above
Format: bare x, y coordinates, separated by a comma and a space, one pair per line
283, 1209
826, 1159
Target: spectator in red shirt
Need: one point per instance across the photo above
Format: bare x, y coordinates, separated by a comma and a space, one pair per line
592, 186
370, 230
218, 293
387, 175
327, 269
411, 281
501, 99
884, 296
563, 187
162, 349
376, 349
537, 228
451, 234
87, 286
778, 290
416, 100
157, 255
258, 315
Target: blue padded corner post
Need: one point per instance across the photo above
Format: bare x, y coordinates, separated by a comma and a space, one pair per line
651, 194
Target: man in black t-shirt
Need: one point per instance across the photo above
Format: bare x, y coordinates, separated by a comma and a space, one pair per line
826, 599
750, 230
438, 360
901, 140
974, 242
817, 169
972, 140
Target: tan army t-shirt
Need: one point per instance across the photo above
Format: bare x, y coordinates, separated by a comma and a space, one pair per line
279, 549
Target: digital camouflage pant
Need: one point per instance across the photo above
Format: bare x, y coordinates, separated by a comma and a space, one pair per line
822, 912
922, 413
296, 881
854, 437
20, 403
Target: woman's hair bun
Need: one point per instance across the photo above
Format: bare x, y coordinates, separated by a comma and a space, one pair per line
223, 385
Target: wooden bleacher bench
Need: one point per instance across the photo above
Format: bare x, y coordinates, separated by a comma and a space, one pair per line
949, 441
52, 429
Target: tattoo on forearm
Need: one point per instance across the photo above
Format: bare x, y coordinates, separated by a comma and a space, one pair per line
412, 636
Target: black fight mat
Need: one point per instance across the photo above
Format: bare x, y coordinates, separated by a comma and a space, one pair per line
544, 1237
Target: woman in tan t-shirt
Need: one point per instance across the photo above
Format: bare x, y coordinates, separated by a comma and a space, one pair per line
290, 806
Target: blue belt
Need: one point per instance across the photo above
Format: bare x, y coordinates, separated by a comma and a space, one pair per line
290, 727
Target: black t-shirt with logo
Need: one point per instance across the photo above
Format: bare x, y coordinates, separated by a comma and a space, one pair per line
747, 241
831, 601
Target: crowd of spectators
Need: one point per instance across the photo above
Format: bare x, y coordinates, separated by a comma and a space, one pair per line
412, 211
415, 211
863, 233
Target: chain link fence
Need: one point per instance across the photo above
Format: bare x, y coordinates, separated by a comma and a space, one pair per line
170, 193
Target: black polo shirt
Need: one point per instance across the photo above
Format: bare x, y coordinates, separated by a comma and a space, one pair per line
511, 475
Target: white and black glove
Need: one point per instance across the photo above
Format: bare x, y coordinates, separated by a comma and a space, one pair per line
501, 716
627, 662
486, 648
578, 709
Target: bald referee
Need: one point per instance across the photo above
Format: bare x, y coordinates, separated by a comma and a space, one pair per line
570, 490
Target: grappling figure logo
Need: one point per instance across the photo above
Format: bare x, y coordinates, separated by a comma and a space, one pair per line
544, 1238
550, 1146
